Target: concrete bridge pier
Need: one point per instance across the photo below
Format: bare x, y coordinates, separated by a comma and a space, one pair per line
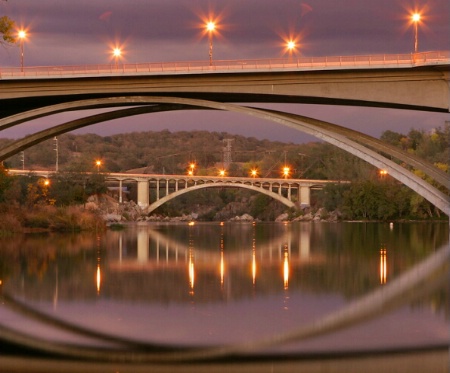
143, 193
305, 196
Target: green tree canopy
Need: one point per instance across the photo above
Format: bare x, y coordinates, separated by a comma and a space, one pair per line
7, 26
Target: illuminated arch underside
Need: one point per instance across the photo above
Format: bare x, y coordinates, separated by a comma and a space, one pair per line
154, 205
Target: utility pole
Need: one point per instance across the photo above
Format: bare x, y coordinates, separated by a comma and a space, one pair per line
227, 153
57, 154
22, 158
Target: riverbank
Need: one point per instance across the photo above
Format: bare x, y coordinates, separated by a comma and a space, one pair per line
115, 213
47, 218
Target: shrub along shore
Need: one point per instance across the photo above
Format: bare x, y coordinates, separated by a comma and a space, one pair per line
48, 218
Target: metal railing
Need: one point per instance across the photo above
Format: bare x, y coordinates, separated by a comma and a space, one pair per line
223, 66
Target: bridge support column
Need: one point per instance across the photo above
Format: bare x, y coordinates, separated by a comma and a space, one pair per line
142, 193
157, 190
120, 191
305, 196
289, 193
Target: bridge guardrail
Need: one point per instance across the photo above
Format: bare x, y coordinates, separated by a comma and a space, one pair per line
187, 67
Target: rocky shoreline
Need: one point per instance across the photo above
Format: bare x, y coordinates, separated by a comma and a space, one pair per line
113, 212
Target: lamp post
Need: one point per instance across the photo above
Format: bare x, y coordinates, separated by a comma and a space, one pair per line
22, 34
210, 27
191, 169
98, 163
290, 46
117, 53
57, 154
416, 18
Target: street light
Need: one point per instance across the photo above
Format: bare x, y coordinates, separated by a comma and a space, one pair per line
290, 46
98, 163
254, 172
416, 19
117, 53
191, 169
286, 171
210, 27
222, 173
22, 34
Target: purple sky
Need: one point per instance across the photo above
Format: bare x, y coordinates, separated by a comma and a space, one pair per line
83, 32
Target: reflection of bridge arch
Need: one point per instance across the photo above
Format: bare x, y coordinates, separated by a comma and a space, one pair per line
166, 249
338, 136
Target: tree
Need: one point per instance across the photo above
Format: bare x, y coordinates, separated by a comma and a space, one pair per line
5, 183
7, 27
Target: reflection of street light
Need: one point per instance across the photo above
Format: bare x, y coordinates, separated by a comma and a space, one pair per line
383, 174
416, 18
210, 27
98, 163
22, 34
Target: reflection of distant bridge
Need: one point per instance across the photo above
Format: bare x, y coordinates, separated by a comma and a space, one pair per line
157, 250
291, 192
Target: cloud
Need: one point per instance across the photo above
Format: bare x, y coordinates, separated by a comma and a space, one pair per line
105, 16
305, 9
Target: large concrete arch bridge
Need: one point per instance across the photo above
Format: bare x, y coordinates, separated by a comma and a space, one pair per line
293, 193
410, 81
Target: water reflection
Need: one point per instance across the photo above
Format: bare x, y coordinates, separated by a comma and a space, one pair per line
219, 283
160, 248
286, 270
383, 266
214, 262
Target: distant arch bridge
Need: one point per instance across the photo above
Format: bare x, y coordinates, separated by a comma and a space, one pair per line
293, 193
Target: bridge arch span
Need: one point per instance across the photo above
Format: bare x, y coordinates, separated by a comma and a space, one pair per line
153, 206
350, 141
146, 104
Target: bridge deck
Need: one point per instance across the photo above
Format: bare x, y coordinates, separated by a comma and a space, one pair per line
261, 65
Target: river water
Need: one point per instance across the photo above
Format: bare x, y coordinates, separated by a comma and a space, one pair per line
208, 284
